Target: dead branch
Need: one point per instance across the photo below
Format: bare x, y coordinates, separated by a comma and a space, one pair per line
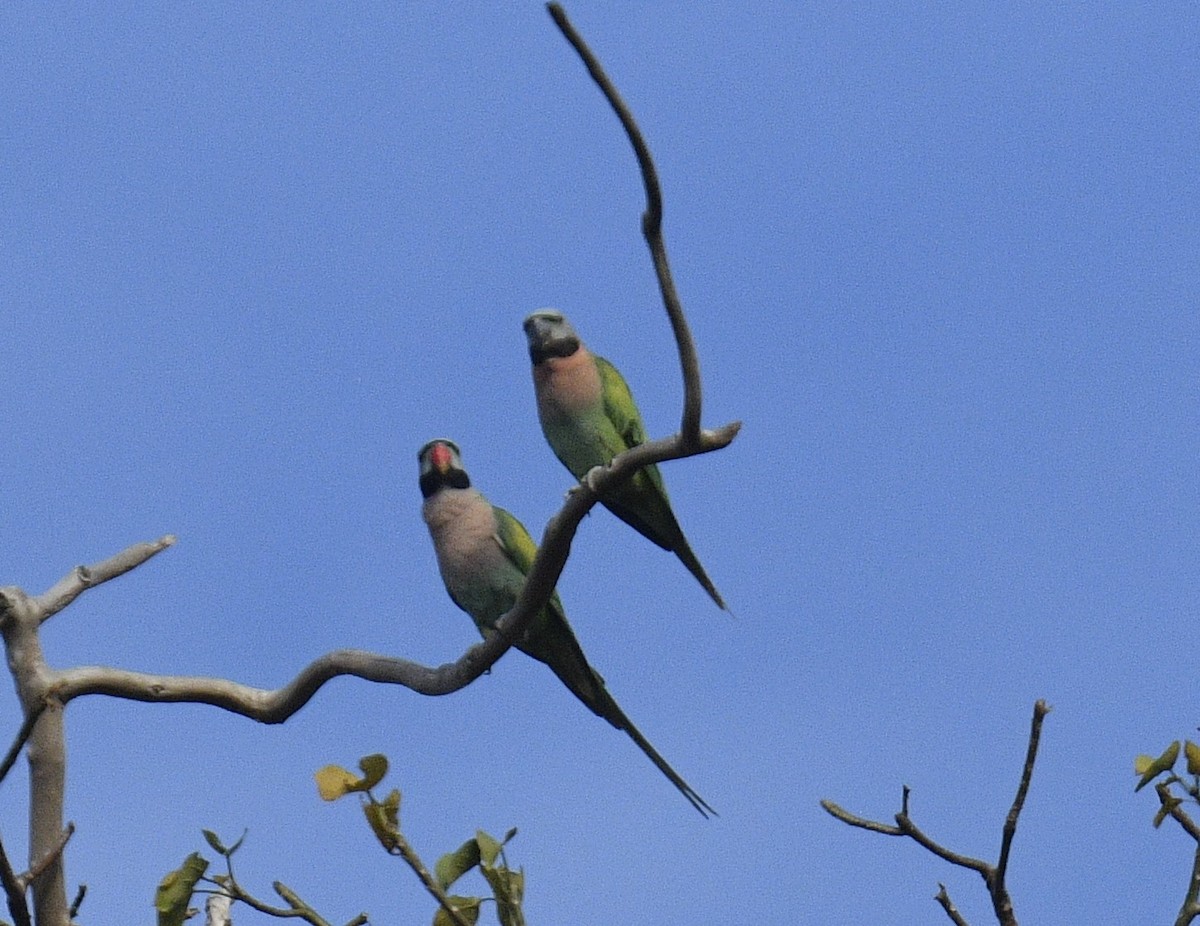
651, 229
993, 875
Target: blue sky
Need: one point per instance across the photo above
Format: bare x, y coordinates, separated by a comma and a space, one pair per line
940, 259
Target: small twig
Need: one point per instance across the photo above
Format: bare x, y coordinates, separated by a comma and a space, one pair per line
840, 813
36, 870
1040, 710
81, 578
651, 228
948, 905
77, 902
298, 909
1176, 811
21, 738
402, 848
909, 828
14, 891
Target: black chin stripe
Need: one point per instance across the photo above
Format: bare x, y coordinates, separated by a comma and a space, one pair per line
564, 348
433, 480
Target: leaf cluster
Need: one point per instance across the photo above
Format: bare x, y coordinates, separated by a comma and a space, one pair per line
482, 851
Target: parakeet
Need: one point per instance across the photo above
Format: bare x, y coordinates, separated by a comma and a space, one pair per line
588, 416
484, 554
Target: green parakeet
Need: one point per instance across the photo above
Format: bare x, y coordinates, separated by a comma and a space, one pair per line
588, 416
484, 554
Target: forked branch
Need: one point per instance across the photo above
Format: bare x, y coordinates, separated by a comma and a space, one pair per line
993, 875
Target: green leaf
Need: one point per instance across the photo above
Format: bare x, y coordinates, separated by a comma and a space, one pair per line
1192, 751
453, 865
384, 817
1155, 767
374, 767
488, 847
214, 842
175, 891
509, 835
468, 908
508, 886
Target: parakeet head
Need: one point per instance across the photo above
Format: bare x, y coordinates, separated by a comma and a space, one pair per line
441, 467
550, 335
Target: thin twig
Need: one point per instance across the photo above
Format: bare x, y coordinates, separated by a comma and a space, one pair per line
81, 578
36, 870
21, 738
77, 902
862, 823
1040, 710
1175, 809
909, 828
14, 891
651, 228
298, 909
948, 905
402, 848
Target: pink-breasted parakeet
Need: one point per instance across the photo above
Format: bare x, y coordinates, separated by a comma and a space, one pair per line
588, 416
484, 554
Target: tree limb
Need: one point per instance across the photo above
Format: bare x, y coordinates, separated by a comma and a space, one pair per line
402, 848
651, 228
993, 875
14, 891
81, 578
21, 738
277, 705
1040, 710
948, 905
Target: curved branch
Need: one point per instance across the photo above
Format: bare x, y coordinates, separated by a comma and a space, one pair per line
277, 705
651, 228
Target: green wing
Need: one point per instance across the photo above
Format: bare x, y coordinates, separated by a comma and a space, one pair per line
518, 546
619, 405
623, 412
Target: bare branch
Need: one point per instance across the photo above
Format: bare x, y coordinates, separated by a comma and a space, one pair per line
49, 858
14, 891
651, 228
406, 852
1191, 902
1040, 710
21, 738
862, 823
1175, 810
81, 578
948, 905
908, 828
77, 902
993, 876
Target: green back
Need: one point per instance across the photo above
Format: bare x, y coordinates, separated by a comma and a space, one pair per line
623, 413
